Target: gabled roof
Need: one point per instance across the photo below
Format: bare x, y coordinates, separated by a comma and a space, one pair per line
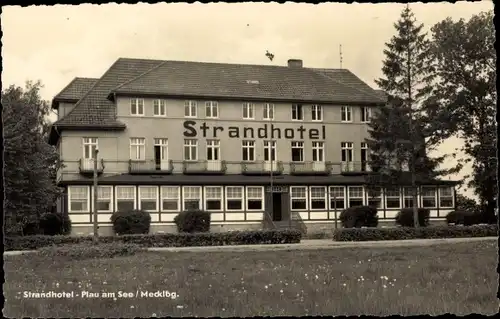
96, 109
244, 81
74, 91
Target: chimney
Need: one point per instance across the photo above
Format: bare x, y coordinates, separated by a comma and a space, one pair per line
294, 63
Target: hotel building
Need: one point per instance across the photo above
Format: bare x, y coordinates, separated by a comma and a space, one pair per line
175, 135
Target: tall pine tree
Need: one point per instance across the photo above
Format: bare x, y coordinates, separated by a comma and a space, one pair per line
30, 162
403, 132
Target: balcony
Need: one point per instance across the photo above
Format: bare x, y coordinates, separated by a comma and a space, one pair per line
87, 166
309, 168
150, 167
204, 167
354, 168
262, 168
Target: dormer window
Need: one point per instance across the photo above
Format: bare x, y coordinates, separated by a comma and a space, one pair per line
137, 107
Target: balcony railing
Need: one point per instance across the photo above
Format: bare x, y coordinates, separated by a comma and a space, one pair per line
262, 168
150, 167
309, 168
87, 166
354, 167
204, 167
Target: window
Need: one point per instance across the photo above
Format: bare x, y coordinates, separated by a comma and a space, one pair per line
255, 198
213, 150
318, 197
366, 114
248, 148
148, 198
136, 107
161, 153
347, 156
364, 157
248, 111
190, 150
445, 197
191, 197
375, 197
137, 149
211, 109
408, 197
318, 151
297, 112
79, 198
297, 151
355, 196
170, 198
392, 198
89, 147
346, 114
428, 196
104, 198
159, 107
298, 197
234, 198
337, 197
268, 111
317, 113
125, 198
213, 198
190, 109
269, 151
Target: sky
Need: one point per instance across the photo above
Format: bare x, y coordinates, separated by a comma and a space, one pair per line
54, 44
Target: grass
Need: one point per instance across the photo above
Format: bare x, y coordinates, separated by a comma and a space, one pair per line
455, 278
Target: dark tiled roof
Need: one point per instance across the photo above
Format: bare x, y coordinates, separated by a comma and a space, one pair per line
76, 89
179, 179
381, 94
224, 80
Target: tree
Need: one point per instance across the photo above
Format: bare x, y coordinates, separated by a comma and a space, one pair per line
465, 203
465, 59
30, 162
404, 131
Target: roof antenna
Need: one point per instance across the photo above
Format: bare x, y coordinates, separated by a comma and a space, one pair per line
340, 54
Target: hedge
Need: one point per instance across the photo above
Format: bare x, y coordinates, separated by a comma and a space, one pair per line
131, 222
405, 217
359, 216
162, 240
193, 221
400, 233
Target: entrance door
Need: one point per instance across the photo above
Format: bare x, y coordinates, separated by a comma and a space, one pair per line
277, 213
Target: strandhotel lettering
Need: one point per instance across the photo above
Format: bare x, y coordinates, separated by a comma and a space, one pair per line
265, 131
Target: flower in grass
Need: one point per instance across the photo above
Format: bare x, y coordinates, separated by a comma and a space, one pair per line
181, 307
266, 286
384, 286
344, 284
281, 290
153, 315
104, 283
132, 307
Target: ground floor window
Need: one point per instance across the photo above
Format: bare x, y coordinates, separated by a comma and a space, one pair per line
104, 198
355, 196
170, 198
446, 197
191, 197
393, 197
234, 197
318, 197
213, 198
298, 197
125, 198
337, 197
79, 198
428, 196
255, 198
375, 197
408, 197
148, 198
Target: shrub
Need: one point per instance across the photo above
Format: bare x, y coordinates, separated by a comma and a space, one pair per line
55, 224
193, 221
405, 217
401, 233
359, 216
131, 222
89, 250
463, 217
288, 236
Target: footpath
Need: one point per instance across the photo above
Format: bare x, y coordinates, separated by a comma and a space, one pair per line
309, 244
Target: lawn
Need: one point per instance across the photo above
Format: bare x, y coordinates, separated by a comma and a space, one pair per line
455, 278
